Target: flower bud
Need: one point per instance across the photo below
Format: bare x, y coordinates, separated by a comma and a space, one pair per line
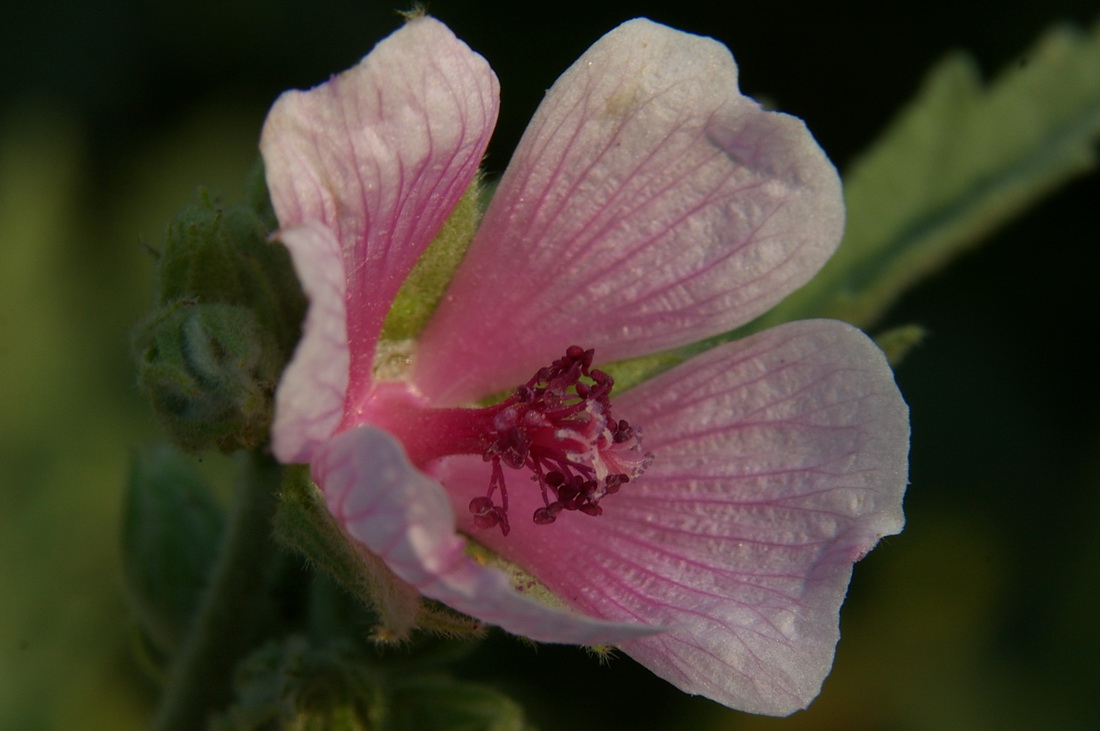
209, 371
229, 314
214, 254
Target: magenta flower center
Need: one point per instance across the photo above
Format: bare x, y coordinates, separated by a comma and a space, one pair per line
558, 427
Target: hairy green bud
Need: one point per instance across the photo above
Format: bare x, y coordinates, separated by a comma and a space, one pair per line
229, 311
210, 372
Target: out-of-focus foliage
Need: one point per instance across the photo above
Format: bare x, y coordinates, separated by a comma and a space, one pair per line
60, 427
72, 281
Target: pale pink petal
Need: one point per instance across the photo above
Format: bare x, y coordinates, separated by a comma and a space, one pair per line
380, 154
402, 516
649, 205
780, 460
309, 402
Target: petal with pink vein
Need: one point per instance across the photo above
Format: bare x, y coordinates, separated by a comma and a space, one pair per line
405, 518
381, 154
309, 402
648, 205
780, 460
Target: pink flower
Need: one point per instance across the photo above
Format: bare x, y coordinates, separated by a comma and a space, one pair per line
708, 526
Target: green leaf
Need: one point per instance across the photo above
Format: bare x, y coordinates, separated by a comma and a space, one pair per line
961, 160
171, 532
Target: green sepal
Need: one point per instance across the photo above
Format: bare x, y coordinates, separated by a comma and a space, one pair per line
424, 287
629, 373
297, 684
257, 199
171, 532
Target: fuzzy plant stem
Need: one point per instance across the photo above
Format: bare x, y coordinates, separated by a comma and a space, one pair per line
225, 623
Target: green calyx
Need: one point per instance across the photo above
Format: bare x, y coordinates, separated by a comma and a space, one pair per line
426, 283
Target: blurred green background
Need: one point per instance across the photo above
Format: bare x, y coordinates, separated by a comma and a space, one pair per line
983, 614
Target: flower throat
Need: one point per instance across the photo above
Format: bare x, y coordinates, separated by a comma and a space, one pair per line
558, 426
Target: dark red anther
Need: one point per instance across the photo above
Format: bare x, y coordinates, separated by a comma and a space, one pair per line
480, 506
559, 426
622, 432
614, 482
568, 493
488, 520
543, 516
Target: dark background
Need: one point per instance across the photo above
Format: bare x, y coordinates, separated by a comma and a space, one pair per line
983, 614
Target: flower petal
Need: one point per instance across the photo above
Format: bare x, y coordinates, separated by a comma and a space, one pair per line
649, 205
780, 460
381, 154
309, 402
402, 516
